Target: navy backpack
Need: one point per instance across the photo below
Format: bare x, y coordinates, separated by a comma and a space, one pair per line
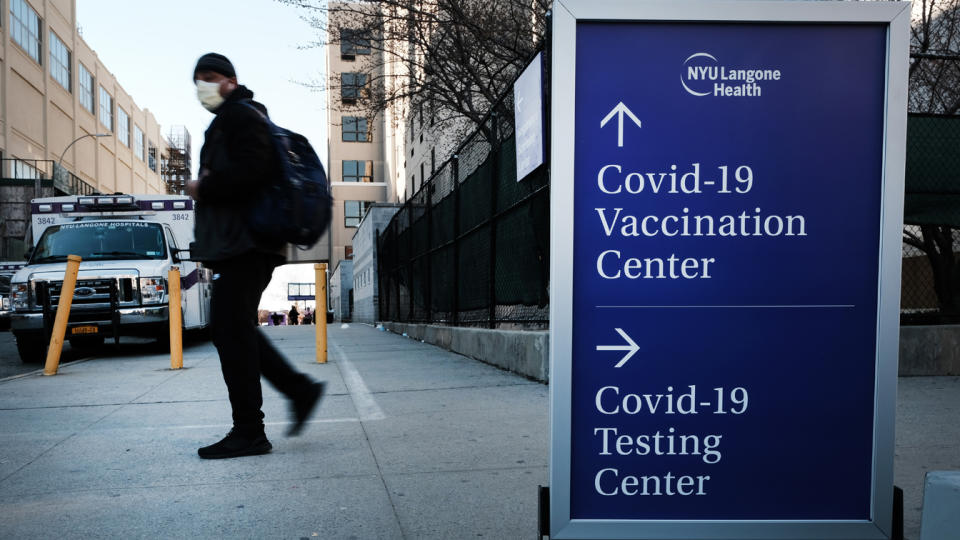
295, 207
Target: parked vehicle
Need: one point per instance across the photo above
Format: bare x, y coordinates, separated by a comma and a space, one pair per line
127, 244
7, 269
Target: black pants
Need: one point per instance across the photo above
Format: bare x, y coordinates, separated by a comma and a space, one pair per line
245, 353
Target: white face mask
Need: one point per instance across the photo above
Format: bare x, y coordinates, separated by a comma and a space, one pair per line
209, 95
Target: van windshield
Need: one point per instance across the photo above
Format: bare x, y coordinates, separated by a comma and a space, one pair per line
100, 241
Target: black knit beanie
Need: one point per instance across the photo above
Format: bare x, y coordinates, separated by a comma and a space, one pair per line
217, 63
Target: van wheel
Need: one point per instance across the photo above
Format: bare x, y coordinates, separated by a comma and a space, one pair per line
32, 349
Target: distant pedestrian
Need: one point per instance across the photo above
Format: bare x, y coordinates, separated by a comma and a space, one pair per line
294, 315
307, 317
277, 318
237, 162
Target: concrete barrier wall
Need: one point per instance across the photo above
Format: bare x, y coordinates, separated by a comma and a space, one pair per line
524, 352
929, 350
924, 350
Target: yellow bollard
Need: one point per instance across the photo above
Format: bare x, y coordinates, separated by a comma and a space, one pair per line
63, 314
176, 322
320, 311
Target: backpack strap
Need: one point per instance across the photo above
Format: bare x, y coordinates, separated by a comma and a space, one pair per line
249, 104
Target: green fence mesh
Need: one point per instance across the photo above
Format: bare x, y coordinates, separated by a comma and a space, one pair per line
472, 246
930, 291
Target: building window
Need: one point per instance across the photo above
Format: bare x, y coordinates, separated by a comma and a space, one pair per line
138, 142
152, 156
355, 129
60, 62
353, 212
433, 160
352, 86
123, 127
348, 252
25, 28
352, 43
106, 109
357, 171
86, 89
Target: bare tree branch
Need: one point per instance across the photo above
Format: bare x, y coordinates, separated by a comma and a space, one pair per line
455, 56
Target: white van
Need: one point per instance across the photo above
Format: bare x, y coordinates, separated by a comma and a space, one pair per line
127, 244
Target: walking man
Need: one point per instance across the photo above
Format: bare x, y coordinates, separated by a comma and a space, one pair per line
237, 162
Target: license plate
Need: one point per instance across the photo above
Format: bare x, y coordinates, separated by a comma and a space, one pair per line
89, 329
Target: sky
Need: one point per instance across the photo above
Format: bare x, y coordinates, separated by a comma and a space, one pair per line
152, 48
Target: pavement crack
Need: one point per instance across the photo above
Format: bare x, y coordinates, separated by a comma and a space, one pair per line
87, 427
245, 482
55, 445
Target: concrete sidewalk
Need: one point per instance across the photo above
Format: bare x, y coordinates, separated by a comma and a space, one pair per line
411, 442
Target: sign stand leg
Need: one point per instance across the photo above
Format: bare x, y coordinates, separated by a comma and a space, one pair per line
897, 532
543, 512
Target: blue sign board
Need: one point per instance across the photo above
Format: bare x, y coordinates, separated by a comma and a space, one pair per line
736, 197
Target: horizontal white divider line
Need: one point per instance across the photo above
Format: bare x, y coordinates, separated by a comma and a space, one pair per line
826, 306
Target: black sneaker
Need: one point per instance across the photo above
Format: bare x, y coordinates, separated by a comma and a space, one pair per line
236, 445
303, 408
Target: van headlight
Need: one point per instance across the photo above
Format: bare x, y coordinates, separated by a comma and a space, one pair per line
153, 290
6, 303
19, 295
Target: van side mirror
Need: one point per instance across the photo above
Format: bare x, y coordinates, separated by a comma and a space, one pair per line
175, 254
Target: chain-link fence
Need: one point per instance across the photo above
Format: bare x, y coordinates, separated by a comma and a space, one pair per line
930, 291
471, 247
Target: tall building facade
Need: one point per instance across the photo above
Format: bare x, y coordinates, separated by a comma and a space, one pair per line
66, 124
56, 90
361, 163
428, 143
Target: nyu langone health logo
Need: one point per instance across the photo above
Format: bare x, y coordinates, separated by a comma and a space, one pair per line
704, 75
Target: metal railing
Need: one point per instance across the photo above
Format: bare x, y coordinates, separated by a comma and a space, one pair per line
26, 169
64, 181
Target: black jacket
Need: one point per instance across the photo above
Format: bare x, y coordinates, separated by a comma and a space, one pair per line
239, 155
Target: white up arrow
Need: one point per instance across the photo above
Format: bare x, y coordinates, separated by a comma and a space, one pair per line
619, 111
632, 348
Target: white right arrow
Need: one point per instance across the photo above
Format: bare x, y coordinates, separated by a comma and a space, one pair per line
632, 347
619, 111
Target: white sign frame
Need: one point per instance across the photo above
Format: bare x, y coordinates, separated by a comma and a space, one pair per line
529, 86
566, 14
